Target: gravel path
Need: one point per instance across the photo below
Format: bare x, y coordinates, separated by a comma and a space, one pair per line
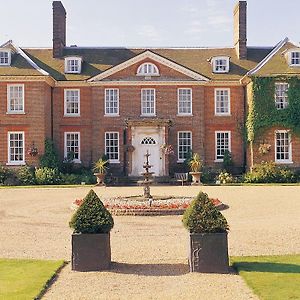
149, 253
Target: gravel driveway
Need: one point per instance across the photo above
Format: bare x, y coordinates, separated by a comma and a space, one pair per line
149, 253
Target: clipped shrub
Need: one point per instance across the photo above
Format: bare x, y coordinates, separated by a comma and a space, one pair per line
225, 177
203, 217
70, 179
4, 174
47, 176
50, 157
227, 161
269, 172
209, 175
26, 175
92, 216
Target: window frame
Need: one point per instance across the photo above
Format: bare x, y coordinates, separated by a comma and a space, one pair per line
191, 102
140, 70
216, 144
75, 160
219, 58
284, 103
9, 57
113, 161
154, 103
181, 160
283, 161
66, 114
291, 59
229, 102
9, 111
9, 161
73, 58
105, 102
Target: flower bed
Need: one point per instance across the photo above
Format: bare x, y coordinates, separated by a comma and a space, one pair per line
137, 206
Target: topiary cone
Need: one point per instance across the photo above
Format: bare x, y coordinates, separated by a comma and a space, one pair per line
203, 217
92, 216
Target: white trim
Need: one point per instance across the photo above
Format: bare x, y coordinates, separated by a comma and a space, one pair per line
283, 161
213, 62
154, 104
8, 99
140, 71
149, 55
8, 51
286, 98
229, 102
15, 163
66, 114
268, 57
180, 160
229, 143
289, 56
118, 101
184, 114
75, 58
75, 160
113, 161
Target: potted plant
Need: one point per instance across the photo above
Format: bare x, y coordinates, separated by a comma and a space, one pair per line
100, 167
208, 247
92, 223
195, 165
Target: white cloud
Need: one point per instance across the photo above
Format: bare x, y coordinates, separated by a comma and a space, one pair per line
149, 32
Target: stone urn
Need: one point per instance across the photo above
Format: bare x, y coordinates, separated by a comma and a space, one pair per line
196, 178
100, 179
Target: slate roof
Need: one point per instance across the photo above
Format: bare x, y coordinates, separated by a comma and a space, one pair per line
97, 60
277, 63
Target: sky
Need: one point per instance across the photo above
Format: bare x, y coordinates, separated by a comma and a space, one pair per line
149, 23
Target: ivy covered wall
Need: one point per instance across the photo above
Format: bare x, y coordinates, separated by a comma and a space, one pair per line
262, 112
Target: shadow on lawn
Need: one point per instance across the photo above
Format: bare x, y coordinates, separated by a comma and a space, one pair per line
150, 269
266, 267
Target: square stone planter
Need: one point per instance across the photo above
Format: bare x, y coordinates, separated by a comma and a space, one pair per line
91, 252
208, 253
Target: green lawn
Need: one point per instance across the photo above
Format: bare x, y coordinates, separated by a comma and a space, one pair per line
271, 277
25, 279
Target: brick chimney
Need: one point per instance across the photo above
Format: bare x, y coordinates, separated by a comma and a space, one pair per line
59, 28
240, 29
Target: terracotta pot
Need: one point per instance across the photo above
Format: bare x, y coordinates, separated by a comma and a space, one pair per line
91, 251
208, 253
100, 179
196, 178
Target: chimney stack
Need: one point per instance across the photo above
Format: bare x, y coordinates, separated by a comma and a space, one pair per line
240, 29
59, 28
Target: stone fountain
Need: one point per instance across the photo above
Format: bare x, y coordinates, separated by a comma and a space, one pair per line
147, 178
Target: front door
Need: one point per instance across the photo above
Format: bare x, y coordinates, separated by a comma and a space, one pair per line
147, 139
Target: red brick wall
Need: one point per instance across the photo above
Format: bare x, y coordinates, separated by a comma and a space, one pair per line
82, 124
35, 121
224, 123
164, 71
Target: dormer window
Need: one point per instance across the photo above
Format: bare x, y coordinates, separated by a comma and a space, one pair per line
295, 58
5, 57
220, 64
147, 69
73, 65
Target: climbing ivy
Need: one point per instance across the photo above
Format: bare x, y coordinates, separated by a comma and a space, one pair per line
262, 113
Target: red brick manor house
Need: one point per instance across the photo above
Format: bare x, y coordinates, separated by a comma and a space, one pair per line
123, 102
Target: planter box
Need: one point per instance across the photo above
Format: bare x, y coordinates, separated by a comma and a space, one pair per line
91, 252
208, 253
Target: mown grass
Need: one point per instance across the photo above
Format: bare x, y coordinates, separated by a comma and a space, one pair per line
271, 277
26, 279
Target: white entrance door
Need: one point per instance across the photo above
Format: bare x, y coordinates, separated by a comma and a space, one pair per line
147, 139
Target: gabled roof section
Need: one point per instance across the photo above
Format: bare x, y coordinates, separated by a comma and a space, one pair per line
276, 63
155, 57
21, 64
